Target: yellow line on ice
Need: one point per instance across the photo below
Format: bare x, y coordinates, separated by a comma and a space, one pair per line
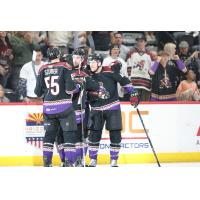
104, 159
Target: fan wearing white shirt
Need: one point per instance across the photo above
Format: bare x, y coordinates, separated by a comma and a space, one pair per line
113, 57
140, 62
28, 75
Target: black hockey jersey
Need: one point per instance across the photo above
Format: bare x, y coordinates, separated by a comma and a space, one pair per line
87, 83
164, 82
109, 80
54, 83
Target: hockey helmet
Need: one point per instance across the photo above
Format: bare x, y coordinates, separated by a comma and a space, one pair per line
79, 52
53, 53
66, 58
95, 56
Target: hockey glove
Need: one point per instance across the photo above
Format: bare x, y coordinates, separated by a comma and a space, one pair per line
103, 93
134, 99
80, 86
116, 66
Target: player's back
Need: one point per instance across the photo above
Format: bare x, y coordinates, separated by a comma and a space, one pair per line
56, 85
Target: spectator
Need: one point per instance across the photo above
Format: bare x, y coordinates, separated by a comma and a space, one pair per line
5, 47
102, 41
22, 45
2, 95
4, 72
111, 59
183, 54
60, 39
90, 42
188, 90
154, 56
114, 56
118, 40
164, 73
79, 38
40, 38
183, 50
151, 39
164, 37
83, 39
28, 76
193, 63
140, 63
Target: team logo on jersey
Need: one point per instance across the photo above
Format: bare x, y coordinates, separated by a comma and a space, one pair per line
35, 129
79, 78
139, 65
165, 82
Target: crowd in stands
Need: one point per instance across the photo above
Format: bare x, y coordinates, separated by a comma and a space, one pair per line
162, 66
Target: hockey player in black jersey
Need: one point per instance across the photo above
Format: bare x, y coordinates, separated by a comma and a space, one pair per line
55, 85
79, 76
107, 110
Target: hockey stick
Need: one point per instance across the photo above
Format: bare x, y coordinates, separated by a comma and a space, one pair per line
83, 138
148, 138
82, 125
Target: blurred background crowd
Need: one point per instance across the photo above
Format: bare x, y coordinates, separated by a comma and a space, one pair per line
162, 65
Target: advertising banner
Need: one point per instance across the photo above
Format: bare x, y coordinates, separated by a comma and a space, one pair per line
174, 129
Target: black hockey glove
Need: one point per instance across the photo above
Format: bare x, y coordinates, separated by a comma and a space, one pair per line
116, 66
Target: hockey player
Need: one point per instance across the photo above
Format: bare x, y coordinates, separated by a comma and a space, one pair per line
79, 76
107, 110
55, 85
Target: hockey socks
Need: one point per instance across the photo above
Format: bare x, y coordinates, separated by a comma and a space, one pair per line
47, 154
70, 153
79, 150
61, 152
93, 150
114, 151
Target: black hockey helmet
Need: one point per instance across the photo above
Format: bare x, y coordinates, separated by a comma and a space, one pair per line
79, 52
53, 53
66, 58
95, 56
